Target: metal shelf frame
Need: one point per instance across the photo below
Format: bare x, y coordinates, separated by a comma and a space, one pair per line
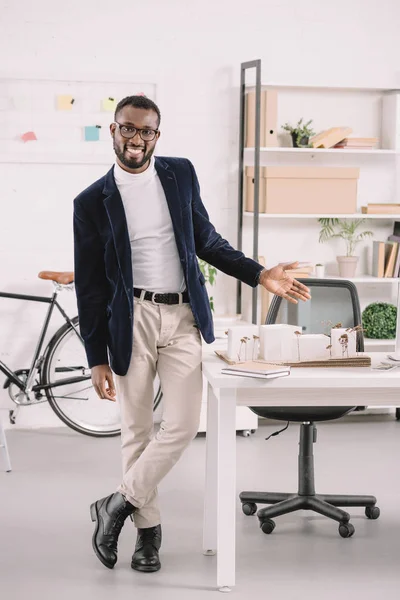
244, 67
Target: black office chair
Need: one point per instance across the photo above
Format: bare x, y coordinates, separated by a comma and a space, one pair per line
335, 301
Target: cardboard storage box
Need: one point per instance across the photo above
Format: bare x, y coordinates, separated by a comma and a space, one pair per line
249, 190
304, 190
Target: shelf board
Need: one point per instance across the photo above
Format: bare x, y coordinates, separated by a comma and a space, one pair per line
339, 151
319, 216
366, 279
322, 87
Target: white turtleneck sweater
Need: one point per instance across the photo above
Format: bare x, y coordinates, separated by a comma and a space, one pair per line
155, 260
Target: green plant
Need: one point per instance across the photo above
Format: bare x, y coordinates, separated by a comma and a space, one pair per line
300, 131
210, 274
341, 228
379, 321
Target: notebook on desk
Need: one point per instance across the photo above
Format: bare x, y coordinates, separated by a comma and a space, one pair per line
257, 370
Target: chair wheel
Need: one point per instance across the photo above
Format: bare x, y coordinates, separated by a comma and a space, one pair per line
346, 530
249, 508
372, 512
267, 526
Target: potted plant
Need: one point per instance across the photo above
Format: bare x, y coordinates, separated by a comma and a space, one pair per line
210, 274
346, 230
379, 321
300, 133
319, 270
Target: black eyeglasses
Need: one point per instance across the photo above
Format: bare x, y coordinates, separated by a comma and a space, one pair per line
129, 132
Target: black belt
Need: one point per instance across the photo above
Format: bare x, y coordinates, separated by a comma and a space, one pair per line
156, 298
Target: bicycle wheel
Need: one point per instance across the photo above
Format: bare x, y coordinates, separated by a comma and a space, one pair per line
76, 403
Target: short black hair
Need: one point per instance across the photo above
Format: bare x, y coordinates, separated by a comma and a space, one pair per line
138, 102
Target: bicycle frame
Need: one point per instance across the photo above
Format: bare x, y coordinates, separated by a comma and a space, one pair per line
27, 386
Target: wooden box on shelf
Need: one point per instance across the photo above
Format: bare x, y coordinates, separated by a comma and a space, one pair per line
303, 190
249, 190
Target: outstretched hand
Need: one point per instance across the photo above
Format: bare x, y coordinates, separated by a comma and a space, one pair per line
278, 282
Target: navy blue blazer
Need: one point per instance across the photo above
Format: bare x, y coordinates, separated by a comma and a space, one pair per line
103, 265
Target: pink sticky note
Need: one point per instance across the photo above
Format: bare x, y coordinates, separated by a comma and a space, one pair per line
28, 136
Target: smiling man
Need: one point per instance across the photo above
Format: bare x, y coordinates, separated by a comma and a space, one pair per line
143, 308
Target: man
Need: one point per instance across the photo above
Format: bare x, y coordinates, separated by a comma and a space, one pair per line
142, 306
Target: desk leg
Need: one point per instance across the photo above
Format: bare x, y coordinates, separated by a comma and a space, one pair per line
220, 504
3, 445
210, 497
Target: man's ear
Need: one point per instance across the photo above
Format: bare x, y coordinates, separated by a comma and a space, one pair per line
112, 129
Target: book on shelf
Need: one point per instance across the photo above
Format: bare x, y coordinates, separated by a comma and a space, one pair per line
367, 143
378, 259
396, 229
381, 209
390, 258
297, 274
385, 259
257, 369
330, 137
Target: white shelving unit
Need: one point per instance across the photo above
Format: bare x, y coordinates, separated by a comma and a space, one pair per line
326, 102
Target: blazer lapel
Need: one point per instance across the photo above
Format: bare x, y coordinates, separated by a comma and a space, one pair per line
171, 190
116, 215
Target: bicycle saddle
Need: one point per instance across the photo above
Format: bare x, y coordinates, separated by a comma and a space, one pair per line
62, 277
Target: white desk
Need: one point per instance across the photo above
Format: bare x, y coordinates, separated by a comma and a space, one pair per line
304, 387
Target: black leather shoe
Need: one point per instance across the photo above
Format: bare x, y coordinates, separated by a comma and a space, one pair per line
109, 514
148, 543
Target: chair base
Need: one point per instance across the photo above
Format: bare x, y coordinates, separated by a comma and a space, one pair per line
283, 504
306, 498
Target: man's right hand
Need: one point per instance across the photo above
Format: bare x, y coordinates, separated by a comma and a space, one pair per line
103, 382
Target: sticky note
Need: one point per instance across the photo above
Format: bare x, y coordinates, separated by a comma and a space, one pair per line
109, 104
92, 133
28, 136
65, 102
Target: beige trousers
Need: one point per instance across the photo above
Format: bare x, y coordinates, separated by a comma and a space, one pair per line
165, 341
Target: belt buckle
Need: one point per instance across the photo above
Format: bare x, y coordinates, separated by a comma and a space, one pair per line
153, 295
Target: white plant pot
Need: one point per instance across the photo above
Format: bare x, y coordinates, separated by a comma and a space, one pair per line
319, 271
347, 266
276, 341
339, 349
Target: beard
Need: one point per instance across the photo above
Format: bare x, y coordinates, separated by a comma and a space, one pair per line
132, 163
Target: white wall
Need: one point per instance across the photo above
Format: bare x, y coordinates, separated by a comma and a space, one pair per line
192, 51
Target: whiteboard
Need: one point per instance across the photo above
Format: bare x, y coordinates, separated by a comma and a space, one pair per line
28, 105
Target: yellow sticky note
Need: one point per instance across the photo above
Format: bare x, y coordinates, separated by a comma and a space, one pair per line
65, 102
109, 104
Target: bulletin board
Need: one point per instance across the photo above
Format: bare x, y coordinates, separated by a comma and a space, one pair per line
66, 122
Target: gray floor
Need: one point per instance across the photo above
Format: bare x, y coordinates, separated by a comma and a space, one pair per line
45, 531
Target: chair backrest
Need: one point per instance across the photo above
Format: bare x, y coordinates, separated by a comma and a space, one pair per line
332, 300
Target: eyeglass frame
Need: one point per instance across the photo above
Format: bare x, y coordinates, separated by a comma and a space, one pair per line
137, 130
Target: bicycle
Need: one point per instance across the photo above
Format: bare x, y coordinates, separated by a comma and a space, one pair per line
72, 398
